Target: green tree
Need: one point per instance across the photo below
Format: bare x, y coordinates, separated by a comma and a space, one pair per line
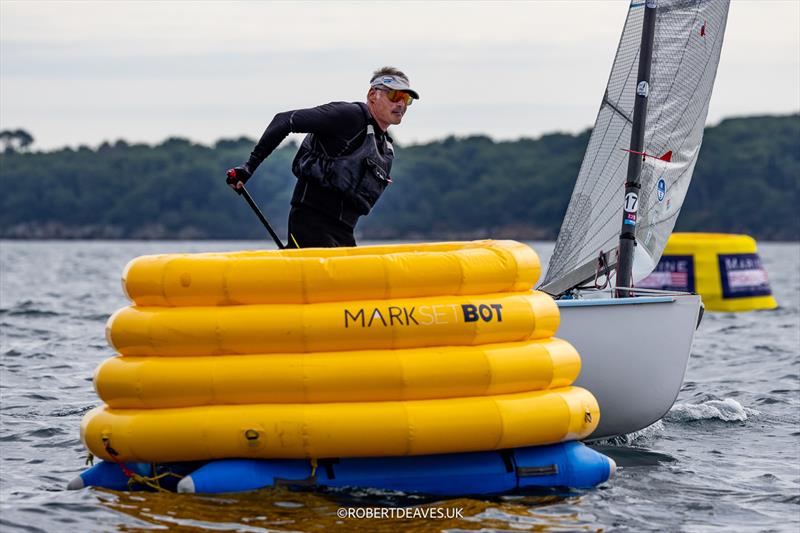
746, 180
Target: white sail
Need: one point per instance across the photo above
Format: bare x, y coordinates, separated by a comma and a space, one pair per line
686, 49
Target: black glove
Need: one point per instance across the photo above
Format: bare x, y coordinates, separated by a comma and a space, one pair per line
237, 175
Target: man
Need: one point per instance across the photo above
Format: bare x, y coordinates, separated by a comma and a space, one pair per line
343, 164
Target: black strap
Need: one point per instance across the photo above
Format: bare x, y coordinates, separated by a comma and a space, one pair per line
508, 460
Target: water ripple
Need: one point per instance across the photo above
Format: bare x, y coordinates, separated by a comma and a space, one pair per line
713, 463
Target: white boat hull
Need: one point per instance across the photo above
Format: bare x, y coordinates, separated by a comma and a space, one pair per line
634, 353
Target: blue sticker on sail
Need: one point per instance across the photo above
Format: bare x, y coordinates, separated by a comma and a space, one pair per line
742, 276
662, 189
673, 273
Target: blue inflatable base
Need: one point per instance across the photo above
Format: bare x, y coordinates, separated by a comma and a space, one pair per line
569, 464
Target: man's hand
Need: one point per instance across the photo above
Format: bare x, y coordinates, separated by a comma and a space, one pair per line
236, 177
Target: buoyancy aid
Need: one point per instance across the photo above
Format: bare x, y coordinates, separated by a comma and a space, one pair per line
360, 176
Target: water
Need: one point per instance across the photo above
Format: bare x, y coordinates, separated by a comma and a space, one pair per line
726, 457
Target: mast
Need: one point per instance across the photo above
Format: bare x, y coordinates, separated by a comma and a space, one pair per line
627, 235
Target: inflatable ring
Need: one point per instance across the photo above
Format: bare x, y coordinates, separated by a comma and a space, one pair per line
335, 326
331, 274
367, 429
353, 376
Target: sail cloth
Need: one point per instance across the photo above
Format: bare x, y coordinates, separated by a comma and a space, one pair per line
686, 49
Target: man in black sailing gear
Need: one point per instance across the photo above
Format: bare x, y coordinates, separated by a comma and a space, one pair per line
343, 164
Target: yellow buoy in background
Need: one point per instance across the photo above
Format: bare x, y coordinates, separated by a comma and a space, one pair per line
722, 268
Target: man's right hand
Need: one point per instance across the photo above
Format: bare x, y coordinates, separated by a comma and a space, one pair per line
236, 177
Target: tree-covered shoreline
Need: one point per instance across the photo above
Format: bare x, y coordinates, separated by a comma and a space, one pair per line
746, 181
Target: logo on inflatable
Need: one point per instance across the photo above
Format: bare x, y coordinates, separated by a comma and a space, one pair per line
424, 315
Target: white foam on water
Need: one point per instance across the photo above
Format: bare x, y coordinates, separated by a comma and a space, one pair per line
727, 410
645, 434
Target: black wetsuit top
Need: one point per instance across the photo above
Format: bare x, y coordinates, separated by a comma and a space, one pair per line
340, 128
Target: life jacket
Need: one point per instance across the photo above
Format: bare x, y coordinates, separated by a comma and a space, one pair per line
360, 176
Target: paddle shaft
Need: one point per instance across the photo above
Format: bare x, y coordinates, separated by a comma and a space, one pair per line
260, 216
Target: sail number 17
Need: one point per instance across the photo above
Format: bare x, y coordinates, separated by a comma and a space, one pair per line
631, 202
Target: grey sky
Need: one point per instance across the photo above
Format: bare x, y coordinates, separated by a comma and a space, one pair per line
83, 72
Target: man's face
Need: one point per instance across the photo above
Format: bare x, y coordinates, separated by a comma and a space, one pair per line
386, 110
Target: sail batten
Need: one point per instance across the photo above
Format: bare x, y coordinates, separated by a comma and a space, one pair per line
619, 112
686, 49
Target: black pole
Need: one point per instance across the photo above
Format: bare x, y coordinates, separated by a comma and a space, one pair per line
260, 216
627, 235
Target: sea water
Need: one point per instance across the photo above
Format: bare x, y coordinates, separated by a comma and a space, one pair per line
726, 456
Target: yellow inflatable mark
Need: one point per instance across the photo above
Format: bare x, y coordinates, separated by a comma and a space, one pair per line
335, 326
366, 429
346, 352
727, 270
333, 274
355, 376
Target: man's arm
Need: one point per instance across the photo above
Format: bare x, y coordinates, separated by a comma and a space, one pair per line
335, 119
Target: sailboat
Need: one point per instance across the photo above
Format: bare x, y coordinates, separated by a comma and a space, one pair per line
635, 344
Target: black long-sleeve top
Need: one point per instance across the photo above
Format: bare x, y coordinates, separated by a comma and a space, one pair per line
339, 127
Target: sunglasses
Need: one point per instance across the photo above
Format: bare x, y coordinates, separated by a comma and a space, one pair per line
395, 95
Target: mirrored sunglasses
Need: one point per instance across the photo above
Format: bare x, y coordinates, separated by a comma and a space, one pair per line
395, 95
